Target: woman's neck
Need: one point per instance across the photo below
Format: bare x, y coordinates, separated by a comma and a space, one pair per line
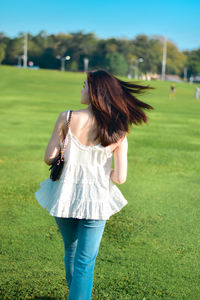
89, 109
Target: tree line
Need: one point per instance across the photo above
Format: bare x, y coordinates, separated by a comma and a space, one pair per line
118, 55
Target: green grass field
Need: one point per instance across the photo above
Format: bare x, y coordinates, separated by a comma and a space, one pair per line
150, 249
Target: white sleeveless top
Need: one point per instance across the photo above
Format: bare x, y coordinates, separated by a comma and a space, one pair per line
84, 190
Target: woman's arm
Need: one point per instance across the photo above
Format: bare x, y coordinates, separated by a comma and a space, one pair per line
119, 173
56, 139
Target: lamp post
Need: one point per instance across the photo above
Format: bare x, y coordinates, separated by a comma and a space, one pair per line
19, 58
164, 58
185, 74
25, 56
63, 59
86, 62
137, 63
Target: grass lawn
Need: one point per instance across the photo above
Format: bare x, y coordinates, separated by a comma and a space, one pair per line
151, 248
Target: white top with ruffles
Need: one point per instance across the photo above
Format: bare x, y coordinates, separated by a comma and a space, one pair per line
84, 190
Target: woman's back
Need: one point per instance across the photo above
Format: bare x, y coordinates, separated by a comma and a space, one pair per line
92, 161
83, 126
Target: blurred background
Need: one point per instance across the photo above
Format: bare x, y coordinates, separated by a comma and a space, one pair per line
147, 40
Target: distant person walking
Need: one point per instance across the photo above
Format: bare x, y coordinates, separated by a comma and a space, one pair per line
85, 196
172, 90
197, 93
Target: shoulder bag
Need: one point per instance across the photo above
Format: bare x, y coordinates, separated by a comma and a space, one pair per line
58, 162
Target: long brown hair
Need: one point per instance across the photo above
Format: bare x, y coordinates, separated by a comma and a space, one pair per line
114, 105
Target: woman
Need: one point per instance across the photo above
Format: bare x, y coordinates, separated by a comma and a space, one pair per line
85, 196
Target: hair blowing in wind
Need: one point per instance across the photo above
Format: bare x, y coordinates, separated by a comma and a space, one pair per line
115, 105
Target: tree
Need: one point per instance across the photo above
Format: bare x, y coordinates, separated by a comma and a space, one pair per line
193, 62
175, 60
82, 45
13, 50
150, 50
119, 56
116, 63
48, 59
2, 51
97, 60
73, 66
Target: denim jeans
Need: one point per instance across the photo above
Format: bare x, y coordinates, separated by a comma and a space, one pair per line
81, 239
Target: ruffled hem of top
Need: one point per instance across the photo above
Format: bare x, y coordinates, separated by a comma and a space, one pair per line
72, 200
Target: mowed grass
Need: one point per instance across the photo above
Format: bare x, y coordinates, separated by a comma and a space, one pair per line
150, 249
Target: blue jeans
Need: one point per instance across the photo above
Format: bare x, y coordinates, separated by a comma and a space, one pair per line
81, 239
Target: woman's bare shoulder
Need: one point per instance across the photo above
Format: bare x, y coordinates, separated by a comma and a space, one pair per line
75, 113
80, 114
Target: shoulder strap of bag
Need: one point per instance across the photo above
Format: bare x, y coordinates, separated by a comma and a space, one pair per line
68, 119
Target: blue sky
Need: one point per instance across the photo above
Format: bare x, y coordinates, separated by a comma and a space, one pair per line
178, 20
